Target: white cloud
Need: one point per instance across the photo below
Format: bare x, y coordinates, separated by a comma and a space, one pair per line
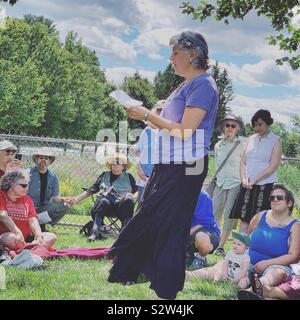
263, 73
117, 75
281, 109
154, 21
95, 37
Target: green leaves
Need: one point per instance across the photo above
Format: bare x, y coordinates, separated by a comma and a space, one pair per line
279, 12
50, 88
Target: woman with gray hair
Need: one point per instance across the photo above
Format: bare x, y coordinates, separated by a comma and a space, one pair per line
227, 183
154, 242
15, 203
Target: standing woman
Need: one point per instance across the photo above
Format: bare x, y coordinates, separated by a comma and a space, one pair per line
228, 179
154, 242
260, 160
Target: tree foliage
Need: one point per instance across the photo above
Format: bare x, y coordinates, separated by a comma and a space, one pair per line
140, 89
226, 94
279, 12
290, 140
166, 82
50, 88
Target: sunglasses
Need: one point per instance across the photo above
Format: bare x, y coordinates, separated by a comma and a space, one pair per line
10, 151
228, 125
278, 197
23, 185
44, 158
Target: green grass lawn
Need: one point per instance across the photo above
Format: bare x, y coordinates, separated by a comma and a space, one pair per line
70, 279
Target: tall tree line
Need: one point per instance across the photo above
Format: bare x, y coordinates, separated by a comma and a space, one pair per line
50, 88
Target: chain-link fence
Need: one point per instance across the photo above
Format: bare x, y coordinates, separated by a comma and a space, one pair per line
76, 167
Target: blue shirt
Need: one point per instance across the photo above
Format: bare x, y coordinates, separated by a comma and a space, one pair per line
204, 214
145, 147
268, 242
34, 191
200, 92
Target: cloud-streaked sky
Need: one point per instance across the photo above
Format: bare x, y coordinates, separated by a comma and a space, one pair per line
130, 35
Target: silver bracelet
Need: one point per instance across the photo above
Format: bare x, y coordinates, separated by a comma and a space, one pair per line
146, 115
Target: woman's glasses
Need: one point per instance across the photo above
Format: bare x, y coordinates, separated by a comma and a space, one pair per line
44, 158
232, 126
10, 151
278, 197
23, 185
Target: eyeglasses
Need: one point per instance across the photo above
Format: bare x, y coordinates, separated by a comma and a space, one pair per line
278, 197
44, 158
10, 151
228, 125
23, 185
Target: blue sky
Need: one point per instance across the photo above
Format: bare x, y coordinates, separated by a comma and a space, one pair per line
130, 35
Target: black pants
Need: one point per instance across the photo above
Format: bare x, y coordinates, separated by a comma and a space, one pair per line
123, 210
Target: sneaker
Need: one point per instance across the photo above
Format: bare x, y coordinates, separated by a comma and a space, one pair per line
220, 252
96, 235
198, 263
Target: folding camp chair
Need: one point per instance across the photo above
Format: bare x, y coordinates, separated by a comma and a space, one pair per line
114, 222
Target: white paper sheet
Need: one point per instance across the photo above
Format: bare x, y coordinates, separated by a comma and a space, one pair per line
124, 99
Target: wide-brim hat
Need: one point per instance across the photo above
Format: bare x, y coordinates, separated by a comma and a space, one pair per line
117, 158
44, 152
241, 236
5, 144
232, 118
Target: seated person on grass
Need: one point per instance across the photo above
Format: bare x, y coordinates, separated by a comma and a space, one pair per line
287, 290
15, 203
204, 234
44, 189
233, 267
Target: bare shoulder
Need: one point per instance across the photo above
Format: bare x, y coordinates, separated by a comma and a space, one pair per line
296, 227
255, 221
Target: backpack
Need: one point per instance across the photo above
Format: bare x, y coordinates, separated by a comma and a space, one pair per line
86, 230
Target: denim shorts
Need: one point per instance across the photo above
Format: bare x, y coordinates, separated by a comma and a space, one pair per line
287, 269
214, 239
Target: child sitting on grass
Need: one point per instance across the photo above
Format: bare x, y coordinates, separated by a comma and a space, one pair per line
233, 267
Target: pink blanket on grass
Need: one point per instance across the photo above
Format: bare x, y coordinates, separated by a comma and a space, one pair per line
79, 253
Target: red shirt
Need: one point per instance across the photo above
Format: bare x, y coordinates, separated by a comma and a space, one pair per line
20, 211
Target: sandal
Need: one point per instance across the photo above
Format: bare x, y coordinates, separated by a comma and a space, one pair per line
256, 285
220, 252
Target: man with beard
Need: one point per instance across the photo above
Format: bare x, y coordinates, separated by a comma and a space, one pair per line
44, 189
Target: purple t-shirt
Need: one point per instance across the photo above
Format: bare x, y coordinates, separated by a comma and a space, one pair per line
200, 92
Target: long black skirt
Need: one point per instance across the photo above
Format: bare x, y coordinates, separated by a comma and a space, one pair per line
154, 241
250, 202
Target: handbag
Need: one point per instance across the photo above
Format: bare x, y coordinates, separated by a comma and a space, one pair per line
212, 184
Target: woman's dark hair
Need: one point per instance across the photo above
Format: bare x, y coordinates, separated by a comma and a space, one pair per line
264, 115
288, 194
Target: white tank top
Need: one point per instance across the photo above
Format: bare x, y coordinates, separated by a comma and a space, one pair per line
258, 156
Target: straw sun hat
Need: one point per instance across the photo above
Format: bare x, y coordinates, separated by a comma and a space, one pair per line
117, 158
